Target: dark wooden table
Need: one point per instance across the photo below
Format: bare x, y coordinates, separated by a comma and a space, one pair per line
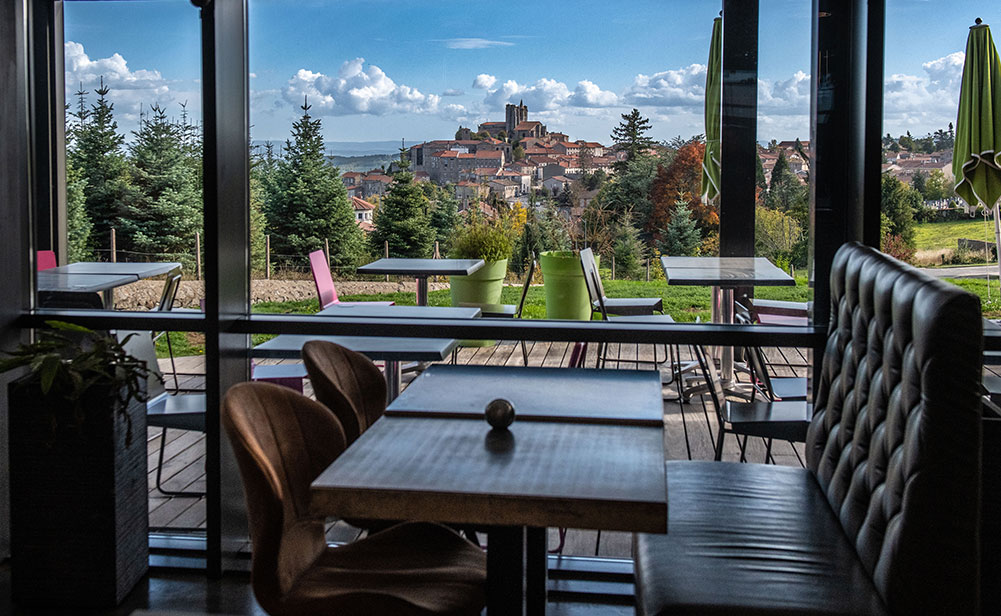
723, 274
139, 270
578, 395
391, 350
518, 482
421, 269
394, 311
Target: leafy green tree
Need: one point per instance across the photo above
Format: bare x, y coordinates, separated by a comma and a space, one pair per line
403, 219
937, 186
98, 153
629, 190
164, 212
544, 230
786, 194
776, 234
759, 174
918, 183
518, 153
309, 203
631, 134
629, 249
77, 223
899, 202
682, 237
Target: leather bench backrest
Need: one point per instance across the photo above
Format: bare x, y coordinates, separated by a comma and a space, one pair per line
895, 438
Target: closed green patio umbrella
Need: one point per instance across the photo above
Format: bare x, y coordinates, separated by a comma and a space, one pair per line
714, 87
976, 158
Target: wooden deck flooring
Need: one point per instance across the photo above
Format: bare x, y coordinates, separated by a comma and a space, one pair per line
690, 430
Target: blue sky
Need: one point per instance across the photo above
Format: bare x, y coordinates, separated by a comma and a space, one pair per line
379, 70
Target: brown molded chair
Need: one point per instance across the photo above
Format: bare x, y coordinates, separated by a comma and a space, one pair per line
347, 383
282, 442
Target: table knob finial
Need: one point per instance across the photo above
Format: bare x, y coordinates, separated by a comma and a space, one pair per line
500, 413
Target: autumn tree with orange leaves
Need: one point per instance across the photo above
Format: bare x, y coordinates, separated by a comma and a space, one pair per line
680, 182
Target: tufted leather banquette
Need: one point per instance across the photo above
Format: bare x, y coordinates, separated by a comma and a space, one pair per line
886, 516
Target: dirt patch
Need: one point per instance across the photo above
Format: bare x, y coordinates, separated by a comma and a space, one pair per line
145, 294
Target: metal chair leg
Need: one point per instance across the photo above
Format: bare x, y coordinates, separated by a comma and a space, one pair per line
159, 473
524, 352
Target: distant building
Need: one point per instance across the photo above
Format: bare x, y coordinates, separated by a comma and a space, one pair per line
492, 128
503, 188
556, 184
363, 209
375, 184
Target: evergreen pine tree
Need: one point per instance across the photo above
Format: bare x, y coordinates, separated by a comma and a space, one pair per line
786, 194
403, 218
631, 135
77, 223
165, 211
629, 249
98, 154
309, 203
682, 237
759, 174
444, 213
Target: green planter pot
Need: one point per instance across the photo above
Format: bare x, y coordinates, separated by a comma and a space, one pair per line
566, 294
483, 286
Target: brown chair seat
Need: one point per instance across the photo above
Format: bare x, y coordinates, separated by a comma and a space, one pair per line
749, 539
411, 568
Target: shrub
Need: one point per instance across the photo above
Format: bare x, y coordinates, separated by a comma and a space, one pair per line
480, 239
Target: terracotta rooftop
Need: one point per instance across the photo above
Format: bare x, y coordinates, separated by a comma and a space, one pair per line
358, 204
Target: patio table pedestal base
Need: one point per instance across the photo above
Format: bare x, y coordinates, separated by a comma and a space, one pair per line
516, 571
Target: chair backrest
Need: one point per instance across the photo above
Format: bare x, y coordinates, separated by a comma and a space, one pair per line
895, 438
282, 441
45, 259
326, 292
525, 287
169, 294
592, 280
347, 383
141, 346
708, 367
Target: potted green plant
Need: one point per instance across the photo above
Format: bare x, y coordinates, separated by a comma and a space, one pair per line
563, 282
78, 495
487, 240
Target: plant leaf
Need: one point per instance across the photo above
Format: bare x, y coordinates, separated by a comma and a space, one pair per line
48, 370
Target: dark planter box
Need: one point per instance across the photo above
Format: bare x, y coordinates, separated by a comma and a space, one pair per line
79, 511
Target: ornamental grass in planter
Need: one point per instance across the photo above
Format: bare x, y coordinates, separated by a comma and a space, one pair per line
480, 239
78, 495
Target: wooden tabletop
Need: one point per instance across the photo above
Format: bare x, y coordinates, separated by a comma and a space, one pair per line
538, 474
382, 311
138, 270
289, 346
582, 395
49, 280
423, 267
724, 271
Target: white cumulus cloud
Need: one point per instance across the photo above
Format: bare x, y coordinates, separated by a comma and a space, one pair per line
545, 94
357, 89
787, 97
671, 88
588, 94
923, 103
484, 81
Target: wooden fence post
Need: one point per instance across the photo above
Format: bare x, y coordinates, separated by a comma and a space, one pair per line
648, 269
613, 267
385, 251
198, 255
114, 247
326, 251
267, 256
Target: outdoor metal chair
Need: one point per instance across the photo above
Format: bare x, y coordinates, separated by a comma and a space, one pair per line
783, 420
165, 410
326, 292
45, 259
282, 441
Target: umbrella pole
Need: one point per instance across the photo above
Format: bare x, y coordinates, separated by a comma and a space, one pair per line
997, 240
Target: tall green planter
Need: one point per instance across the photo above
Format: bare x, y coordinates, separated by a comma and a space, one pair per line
566, 293
483, 286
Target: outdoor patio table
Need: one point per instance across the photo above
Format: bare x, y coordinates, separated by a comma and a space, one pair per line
391, 350
59, 282
421, 269
517, 482
84, 276
578, 395
724, 274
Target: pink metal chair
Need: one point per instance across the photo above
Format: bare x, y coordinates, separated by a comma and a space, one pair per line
46, 259
325, 290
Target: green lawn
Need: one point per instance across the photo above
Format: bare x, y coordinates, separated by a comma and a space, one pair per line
939, 235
